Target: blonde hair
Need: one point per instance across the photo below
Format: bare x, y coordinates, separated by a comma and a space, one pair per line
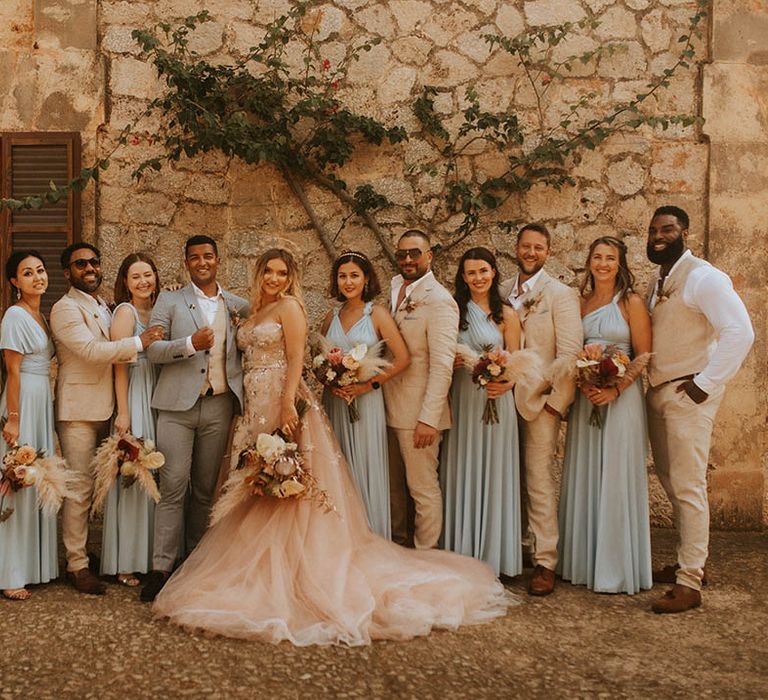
293, 283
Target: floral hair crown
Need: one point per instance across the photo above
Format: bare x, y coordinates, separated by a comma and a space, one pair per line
354, 254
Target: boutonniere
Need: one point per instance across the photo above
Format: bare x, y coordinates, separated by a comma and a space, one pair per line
235, 318
530, 304
411, 305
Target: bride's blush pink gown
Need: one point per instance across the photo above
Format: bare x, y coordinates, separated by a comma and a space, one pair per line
286, 570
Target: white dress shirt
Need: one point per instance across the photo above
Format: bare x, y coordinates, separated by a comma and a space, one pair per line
517, 301
710, 292
101, 308
396, 285
209, 306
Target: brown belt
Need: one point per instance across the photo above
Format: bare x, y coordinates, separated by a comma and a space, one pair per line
684, 378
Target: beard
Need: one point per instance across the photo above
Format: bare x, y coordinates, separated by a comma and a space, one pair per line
87, 287
668, 255
535, 267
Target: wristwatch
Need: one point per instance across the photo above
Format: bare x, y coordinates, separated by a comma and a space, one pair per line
375, 385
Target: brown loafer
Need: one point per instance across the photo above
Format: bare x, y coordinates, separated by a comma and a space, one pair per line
677, 599
85, 582
542, 582
669, 575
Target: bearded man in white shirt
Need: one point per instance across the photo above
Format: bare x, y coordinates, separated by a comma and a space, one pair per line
416, 400
701, 335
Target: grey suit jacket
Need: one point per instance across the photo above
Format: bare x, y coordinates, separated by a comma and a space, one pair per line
181, 376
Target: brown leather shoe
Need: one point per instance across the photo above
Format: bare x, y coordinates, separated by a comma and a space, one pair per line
542, 582
677, 599
85, 582
668, 574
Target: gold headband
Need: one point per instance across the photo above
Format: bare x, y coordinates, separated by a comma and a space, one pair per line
353, 254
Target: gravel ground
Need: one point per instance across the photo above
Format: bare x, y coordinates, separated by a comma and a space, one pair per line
572, 644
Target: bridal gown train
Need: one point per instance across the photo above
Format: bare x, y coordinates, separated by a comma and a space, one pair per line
278, 570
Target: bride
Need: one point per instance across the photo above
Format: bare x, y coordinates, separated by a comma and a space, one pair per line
275, 569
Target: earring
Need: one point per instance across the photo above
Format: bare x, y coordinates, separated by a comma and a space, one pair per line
365, 289
18, 294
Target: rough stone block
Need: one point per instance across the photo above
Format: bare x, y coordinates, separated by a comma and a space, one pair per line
726, 85
627, 62
617, 23
552, 12
65, 24
626, 176
134, 78
397, 85
656, 31
323, 22
118, 39
547, 204
736, 499
231, 9
372, 65
441, 27
376, 20
149, 208
410, 14
448, 69
679, 167
632, 214
16, 24
412, 50
473, 45
739, 168
207, 38
509, 20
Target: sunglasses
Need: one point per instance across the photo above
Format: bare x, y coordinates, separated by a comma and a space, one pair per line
82, 263
412, 253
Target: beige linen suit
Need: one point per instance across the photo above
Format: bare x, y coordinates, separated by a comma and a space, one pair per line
551, 325
429, 321
85, 400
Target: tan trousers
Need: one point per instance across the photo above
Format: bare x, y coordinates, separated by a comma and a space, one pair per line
79, 440
680, 432
416, 469
539, 446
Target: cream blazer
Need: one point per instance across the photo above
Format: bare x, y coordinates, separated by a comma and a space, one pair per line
429, 322
85, 354
551, 325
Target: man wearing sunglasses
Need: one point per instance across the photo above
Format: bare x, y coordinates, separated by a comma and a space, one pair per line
417, 399
80, 323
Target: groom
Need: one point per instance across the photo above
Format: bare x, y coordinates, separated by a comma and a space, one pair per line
550, 318
417, 399
701, 335
199, 389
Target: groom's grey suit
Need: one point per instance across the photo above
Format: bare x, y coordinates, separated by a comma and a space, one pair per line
194, 414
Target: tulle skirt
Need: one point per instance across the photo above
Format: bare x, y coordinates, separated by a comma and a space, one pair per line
286, 569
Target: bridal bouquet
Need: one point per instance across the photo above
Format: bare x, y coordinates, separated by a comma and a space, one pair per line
24, 466
498, 365
334, 368
605, 367
133, 459
273, 466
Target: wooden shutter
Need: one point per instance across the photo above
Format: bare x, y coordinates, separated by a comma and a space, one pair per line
30, 161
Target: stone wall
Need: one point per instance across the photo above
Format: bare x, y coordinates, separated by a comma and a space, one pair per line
74, 66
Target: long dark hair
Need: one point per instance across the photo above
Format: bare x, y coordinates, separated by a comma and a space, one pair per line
625, 280
372, 287
121, 282
463, 295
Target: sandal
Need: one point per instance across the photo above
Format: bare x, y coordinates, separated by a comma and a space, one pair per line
128, 580
16, 594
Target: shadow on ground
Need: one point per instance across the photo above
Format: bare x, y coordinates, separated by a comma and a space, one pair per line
572, 644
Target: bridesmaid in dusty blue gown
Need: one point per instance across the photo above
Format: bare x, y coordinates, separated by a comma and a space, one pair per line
604, 524
28, 553
126, 547
364, 442
479, 464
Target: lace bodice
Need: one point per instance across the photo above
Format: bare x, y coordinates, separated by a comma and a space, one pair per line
262, 346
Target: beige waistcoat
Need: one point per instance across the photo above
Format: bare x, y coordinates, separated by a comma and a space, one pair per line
682, 336
216, 378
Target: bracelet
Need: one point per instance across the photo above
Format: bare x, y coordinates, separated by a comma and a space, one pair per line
13, 413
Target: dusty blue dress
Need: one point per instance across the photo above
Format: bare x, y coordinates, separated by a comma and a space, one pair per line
480, 465
364, 442
605, 538
28, 551
126, 545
